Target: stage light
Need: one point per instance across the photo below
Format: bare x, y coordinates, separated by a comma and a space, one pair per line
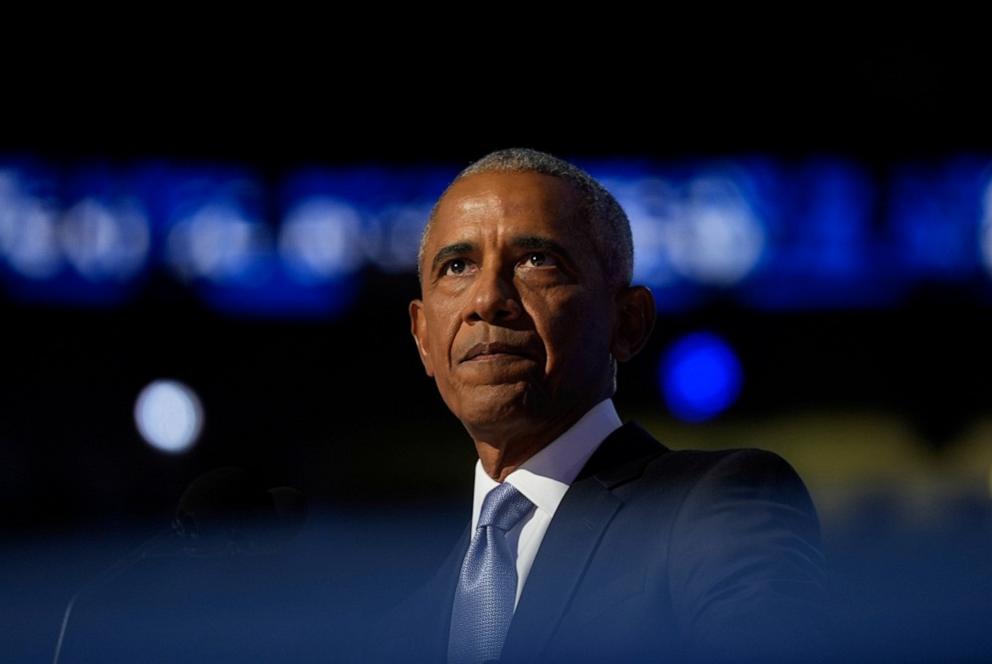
650, 204
715, 239
169, 416
985, 229
28, 230
936, 217
703, 229
394, 236
700, 377
216, 242
105, 242
321, 239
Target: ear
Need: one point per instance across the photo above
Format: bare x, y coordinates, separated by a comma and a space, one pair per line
635, 320
418, 327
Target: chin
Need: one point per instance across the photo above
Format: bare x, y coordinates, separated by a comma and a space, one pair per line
494, 407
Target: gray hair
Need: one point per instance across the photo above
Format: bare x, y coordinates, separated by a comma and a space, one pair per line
607, 221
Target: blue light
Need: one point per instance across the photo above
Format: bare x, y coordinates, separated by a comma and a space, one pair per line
697, 228
105, 242
768, 234
823, 251
82, 237
321, 239
29, 234
218, 236
216, 226
169, 416
700, 377
935, 218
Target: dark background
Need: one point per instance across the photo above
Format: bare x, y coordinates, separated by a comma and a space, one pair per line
342, 409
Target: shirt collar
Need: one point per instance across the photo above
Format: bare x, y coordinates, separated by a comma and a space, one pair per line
545, 477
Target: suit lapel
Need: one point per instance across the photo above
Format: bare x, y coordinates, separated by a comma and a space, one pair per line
573, 535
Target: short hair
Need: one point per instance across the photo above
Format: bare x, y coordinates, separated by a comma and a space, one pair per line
605, 218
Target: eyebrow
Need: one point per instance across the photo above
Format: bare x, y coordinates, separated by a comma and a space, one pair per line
455, 249
531, 242
537, 243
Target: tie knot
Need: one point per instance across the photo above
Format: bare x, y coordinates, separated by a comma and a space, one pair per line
503, 507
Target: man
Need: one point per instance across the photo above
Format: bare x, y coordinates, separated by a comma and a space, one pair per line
589, 539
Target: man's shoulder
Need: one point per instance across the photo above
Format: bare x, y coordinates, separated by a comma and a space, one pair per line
750, 465
735, 478
745, 565
726, 542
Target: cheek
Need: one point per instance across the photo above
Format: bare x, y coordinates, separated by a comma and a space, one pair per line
445, 327
577, 333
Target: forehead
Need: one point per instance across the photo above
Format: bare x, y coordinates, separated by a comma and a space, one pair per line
521, 202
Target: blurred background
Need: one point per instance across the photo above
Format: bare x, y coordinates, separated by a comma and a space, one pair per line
210, 266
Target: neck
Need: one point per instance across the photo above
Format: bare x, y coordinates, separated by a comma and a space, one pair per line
503, 452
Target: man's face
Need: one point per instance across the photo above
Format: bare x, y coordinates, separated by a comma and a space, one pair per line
516, 314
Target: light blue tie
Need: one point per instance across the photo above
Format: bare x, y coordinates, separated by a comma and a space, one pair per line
487, 585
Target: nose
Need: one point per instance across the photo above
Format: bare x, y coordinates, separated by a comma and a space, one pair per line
494, 298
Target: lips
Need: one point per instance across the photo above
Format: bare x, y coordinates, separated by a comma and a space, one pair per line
482, 350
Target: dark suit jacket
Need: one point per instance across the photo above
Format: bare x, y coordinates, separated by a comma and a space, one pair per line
653, 554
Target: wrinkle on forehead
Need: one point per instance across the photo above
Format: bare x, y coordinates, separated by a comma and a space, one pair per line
555, 200
475, 203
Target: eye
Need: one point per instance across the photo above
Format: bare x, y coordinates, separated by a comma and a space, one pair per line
455, 267
539, 259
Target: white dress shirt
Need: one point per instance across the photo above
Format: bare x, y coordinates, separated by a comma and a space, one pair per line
543, 479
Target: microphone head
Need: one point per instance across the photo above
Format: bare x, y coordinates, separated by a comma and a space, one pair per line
229, 511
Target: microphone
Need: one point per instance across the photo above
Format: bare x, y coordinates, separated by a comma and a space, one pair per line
224, 512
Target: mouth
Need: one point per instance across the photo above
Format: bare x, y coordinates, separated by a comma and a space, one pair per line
487, 352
